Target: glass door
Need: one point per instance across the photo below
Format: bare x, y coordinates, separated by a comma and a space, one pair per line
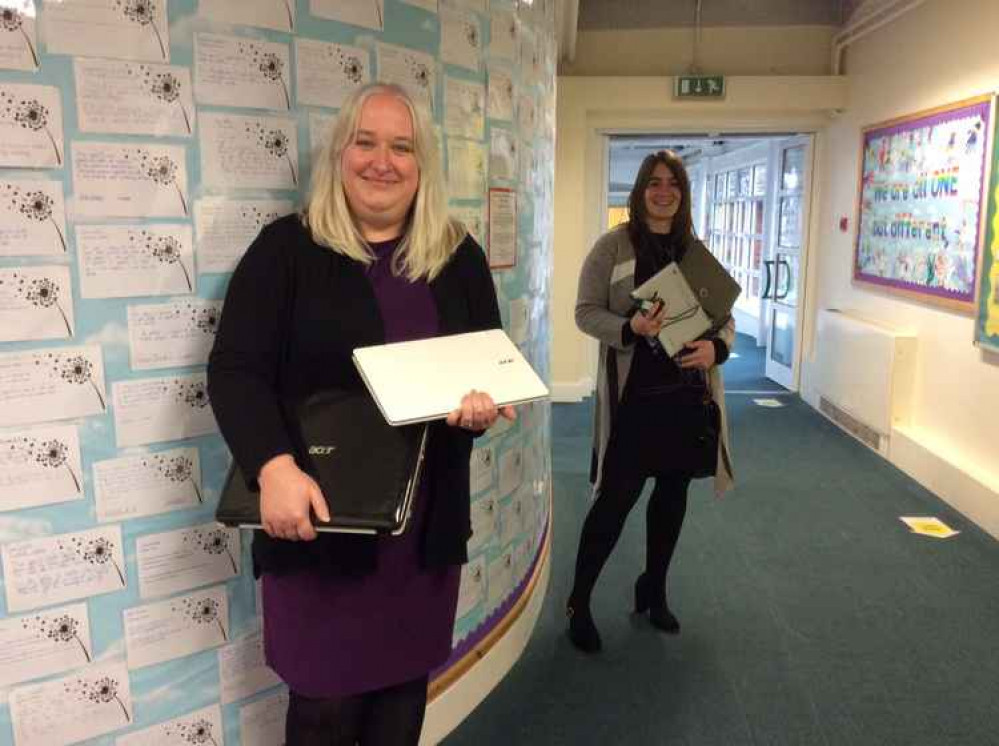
783, 266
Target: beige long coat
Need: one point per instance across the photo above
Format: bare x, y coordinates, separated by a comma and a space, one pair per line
603, 303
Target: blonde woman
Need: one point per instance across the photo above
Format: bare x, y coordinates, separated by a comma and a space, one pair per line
354, 624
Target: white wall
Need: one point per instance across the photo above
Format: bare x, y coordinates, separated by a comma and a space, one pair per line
587, 108
939, 53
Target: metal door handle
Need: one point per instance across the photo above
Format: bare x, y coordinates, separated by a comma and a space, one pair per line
767, 265
787, 290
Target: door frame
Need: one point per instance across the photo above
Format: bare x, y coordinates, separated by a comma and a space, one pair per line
596, 193
789, 376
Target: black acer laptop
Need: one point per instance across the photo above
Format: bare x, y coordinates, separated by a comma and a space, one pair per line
369, 471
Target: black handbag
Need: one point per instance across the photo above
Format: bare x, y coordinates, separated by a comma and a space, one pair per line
698, 449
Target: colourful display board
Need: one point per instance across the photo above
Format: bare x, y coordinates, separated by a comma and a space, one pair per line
987, 321
921, 203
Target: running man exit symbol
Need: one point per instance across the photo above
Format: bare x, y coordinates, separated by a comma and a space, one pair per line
700, 86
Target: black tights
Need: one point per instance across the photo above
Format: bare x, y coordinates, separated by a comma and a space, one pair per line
385, 717
617, 495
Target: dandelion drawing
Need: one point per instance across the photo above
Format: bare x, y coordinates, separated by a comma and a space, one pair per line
143, 13
54, 454
260, 219
103, 690
353, 69
194, 394
472, 35
276, 142
37, 206
32, 115
62, 629
77, 370
420, 73
202, 611
206, 319
179, 469
10, 21
195, 732
422, 78
268, 64
350, 65
163, 171
166, 87
160, 170
291, 18
41, 292
99, 551
215, 542
167, 250
272, 68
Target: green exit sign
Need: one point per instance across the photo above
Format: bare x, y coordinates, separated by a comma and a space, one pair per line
700, 86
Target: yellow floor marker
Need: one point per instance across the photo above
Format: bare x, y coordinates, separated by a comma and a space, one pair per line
927, 526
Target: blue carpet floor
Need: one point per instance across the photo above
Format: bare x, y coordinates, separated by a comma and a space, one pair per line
810, 614
744, 370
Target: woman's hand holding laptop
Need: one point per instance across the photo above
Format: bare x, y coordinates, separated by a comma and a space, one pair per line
479, 412
286, 496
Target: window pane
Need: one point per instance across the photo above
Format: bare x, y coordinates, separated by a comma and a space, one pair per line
759, 180
789, 222
730, 185
782, 337
745, 181
758, 216
792, 168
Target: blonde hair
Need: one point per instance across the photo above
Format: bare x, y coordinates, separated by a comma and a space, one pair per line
431, 236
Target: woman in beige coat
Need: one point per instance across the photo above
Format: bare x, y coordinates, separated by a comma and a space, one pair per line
649, 406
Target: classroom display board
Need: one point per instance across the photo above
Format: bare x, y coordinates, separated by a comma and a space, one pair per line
921, 203
143, 145
987, 320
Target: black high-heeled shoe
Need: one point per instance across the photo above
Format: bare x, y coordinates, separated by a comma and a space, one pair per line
659, 614
582, 630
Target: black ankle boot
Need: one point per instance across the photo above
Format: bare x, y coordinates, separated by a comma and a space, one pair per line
582, 631
646, 599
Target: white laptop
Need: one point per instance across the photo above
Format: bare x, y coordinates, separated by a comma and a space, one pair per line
685, 319
426, 379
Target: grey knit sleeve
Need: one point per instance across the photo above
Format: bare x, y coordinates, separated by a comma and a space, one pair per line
593, 314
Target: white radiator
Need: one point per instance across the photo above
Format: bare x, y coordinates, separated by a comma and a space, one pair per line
864, 373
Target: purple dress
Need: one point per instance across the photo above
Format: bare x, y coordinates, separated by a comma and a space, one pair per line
336, 636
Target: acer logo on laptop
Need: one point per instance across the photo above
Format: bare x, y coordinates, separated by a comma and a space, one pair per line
321, 450
506, 361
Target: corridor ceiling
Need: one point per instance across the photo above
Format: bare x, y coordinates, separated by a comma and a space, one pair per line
595, 15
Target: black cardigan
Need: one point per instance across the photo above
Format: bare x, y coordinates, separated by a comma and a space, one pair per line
293, 314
